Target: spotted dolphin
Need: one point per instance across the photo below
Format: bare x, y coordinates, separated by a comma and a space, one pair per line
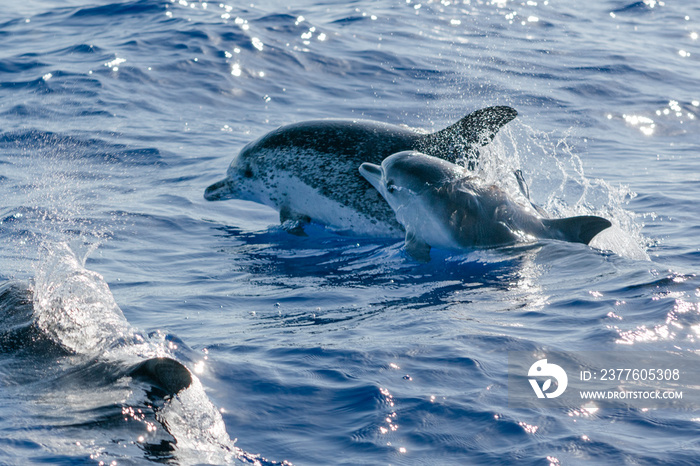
442, 205
308, 171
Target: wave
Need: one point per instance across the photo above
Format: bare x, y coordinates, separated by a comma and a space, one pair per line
73, 147
67, 337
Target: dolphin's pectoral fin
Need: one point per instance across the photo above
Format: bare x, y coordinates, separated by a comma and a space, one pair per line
294, 227
416, 247
293, 222
525, 190
576, 229
521, 183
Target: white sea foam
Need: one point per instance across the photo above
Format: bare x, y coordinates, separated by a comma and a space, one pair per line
558, 184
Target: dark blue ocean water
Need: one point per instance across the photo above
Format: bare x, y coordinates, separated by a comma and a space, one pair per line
328, 349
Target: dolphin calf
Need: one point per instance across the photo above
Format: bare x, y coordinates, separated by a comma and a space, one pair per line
441, 205
308, 171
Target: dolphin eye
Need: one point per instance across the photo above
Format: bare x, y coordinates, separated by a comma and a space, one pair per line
390, 186
248, 173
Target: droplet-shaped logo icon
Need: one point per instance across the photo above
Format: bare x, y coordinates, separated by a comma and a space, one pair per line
542, 369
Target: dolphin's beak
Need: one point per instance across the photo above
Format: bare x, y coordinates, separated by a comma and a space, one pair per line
219, 191
373, 174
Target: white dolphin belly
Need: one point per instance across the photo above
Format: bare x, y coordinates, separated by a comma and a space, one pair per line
291, 192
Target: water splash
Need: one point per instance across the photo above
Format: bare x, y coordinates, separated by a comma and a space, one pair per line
75, 308
558, 184
56, 186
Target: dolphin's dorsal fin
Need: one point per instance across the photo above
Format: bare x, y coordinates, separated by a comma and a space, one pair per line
416, 247
163, 373
481, 126
576, 229
474, 130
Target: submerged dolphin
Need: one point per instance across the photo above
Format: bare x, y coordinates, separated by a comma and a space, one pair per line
440, 204
308, 171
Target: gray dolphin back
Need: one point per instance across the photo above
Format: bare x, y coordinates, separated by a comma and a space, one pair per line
374, 141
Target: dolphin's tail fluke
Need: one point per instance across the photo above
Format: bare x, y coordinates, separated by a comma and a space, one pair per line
474, 130
576, 229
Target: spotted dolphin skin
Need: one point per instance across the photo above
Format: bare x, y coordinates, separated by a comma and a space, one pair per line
308, 171
441, 205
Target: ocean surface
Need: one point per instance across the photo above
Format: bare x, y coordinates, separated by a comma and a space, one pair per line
333, 349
